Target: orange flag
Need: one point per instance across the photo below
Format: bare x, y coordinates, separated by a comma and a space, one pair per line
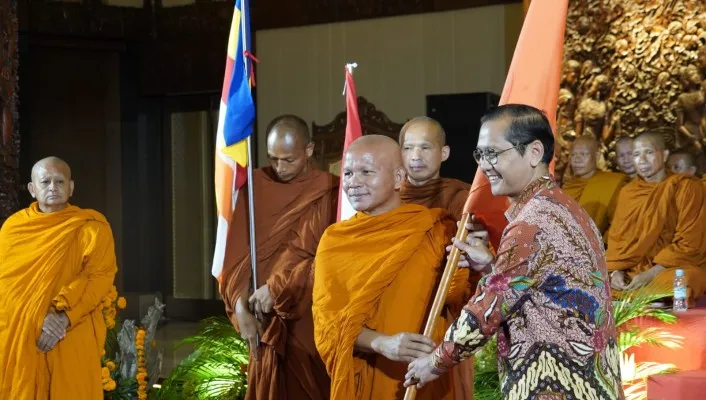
533, 79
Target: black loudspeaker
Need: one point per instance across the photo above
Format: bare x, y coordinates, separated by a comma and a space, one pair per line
459, 114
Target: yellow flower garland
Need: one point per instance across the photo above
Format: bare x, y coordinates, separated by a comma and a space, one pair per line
141, 364
110, 303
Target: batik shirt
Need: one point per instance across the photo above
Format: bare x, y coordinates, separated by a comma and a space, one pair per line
547, 298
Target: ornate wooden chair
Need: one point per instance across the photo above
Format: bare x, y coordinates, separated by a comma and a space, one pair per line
328, 139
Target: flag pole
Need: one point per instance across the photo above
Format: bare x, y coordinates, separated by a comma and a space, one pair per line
251, 189
442, 291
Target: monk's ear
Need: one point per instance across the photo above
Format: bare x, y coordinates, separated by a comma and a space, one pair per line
71, 188
400, 175
309, 150
30, 188
445, 153
665, 153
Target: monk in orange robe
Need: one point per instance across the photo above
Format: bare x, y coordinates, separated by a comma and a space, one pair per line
658, 224
57, 263
596, 191
375, 278
623, 156
424, 148
294, 203
682, 162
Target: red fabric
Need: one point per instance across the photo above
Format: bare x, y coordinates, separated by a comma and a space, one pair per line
533, 79
688, 385
353, 128
690, 325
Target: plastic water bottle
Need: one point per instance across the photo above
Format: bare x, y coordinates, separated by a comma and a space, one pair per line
680, 302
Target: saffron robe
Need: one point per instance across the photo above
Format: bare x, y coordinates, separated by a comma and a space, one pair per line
379, 272
289, 221
446, 193
61, 261
451, 195
598, 195
661, 223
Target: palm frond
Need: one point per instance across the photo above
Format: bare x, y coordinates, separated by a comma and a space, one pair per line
486, 382
655, 336
633, 304
486, 385
216, 368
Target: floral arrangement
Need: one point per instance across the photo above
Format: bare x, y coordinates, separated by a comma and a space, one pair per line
128, 368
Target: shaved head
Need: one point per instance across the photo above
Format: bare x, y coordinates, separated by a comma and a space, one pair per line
373, 173
289, 146
682, 162
424, 148
656, 138
584, 155
430, 125
51, 184
587, 140
290, 125
623, 156
650, 155
51, 161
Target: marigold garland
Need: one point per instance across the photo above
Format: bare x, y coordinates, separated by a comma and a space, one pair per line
141, 364
109, 305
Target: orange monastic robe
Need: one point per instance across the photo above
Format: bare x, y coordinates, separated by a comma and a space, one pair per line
378, 272
289, 221
661, 223
63, 260
598, 195
449, 194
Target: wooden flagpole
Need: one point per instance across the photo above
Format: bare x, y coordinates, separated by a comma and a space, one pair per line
442, 290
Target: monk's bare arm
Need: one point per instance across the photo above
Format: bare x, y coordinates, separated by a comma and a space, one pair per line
83, 295
365, 342
404, 347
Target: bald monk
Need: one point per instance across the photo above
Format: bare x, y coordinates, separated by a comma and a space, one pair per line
57, 262
596, 191
658, 224
375, 278
623, 156
294, 203
682, 162
424, 148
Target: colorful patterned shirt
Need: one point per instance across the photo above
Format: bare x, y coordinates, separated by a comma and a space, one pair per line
548, 300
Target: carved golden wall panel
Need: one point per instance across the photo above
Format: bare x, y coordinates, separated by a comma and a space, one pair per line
632, 66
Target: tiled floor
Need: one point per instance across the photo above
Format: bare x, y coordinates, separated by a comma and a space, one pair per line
168, 336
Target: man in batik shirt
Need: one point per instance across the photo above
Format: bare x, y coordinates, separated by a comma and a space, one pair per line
545, 294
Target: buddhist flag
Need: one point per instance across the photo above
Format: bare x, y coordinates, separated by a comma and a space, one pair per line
533, 79
353, 132
235, 125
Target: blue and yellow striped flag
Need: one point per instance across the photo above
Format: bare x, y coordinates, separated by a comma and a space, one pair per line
235, 125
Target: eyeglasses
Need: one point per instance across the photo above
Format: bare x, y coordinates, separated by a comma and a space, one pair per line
491, 156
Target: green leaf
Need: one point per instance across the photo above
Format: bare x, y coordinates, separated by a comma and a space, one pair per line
521, 283
215, 370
